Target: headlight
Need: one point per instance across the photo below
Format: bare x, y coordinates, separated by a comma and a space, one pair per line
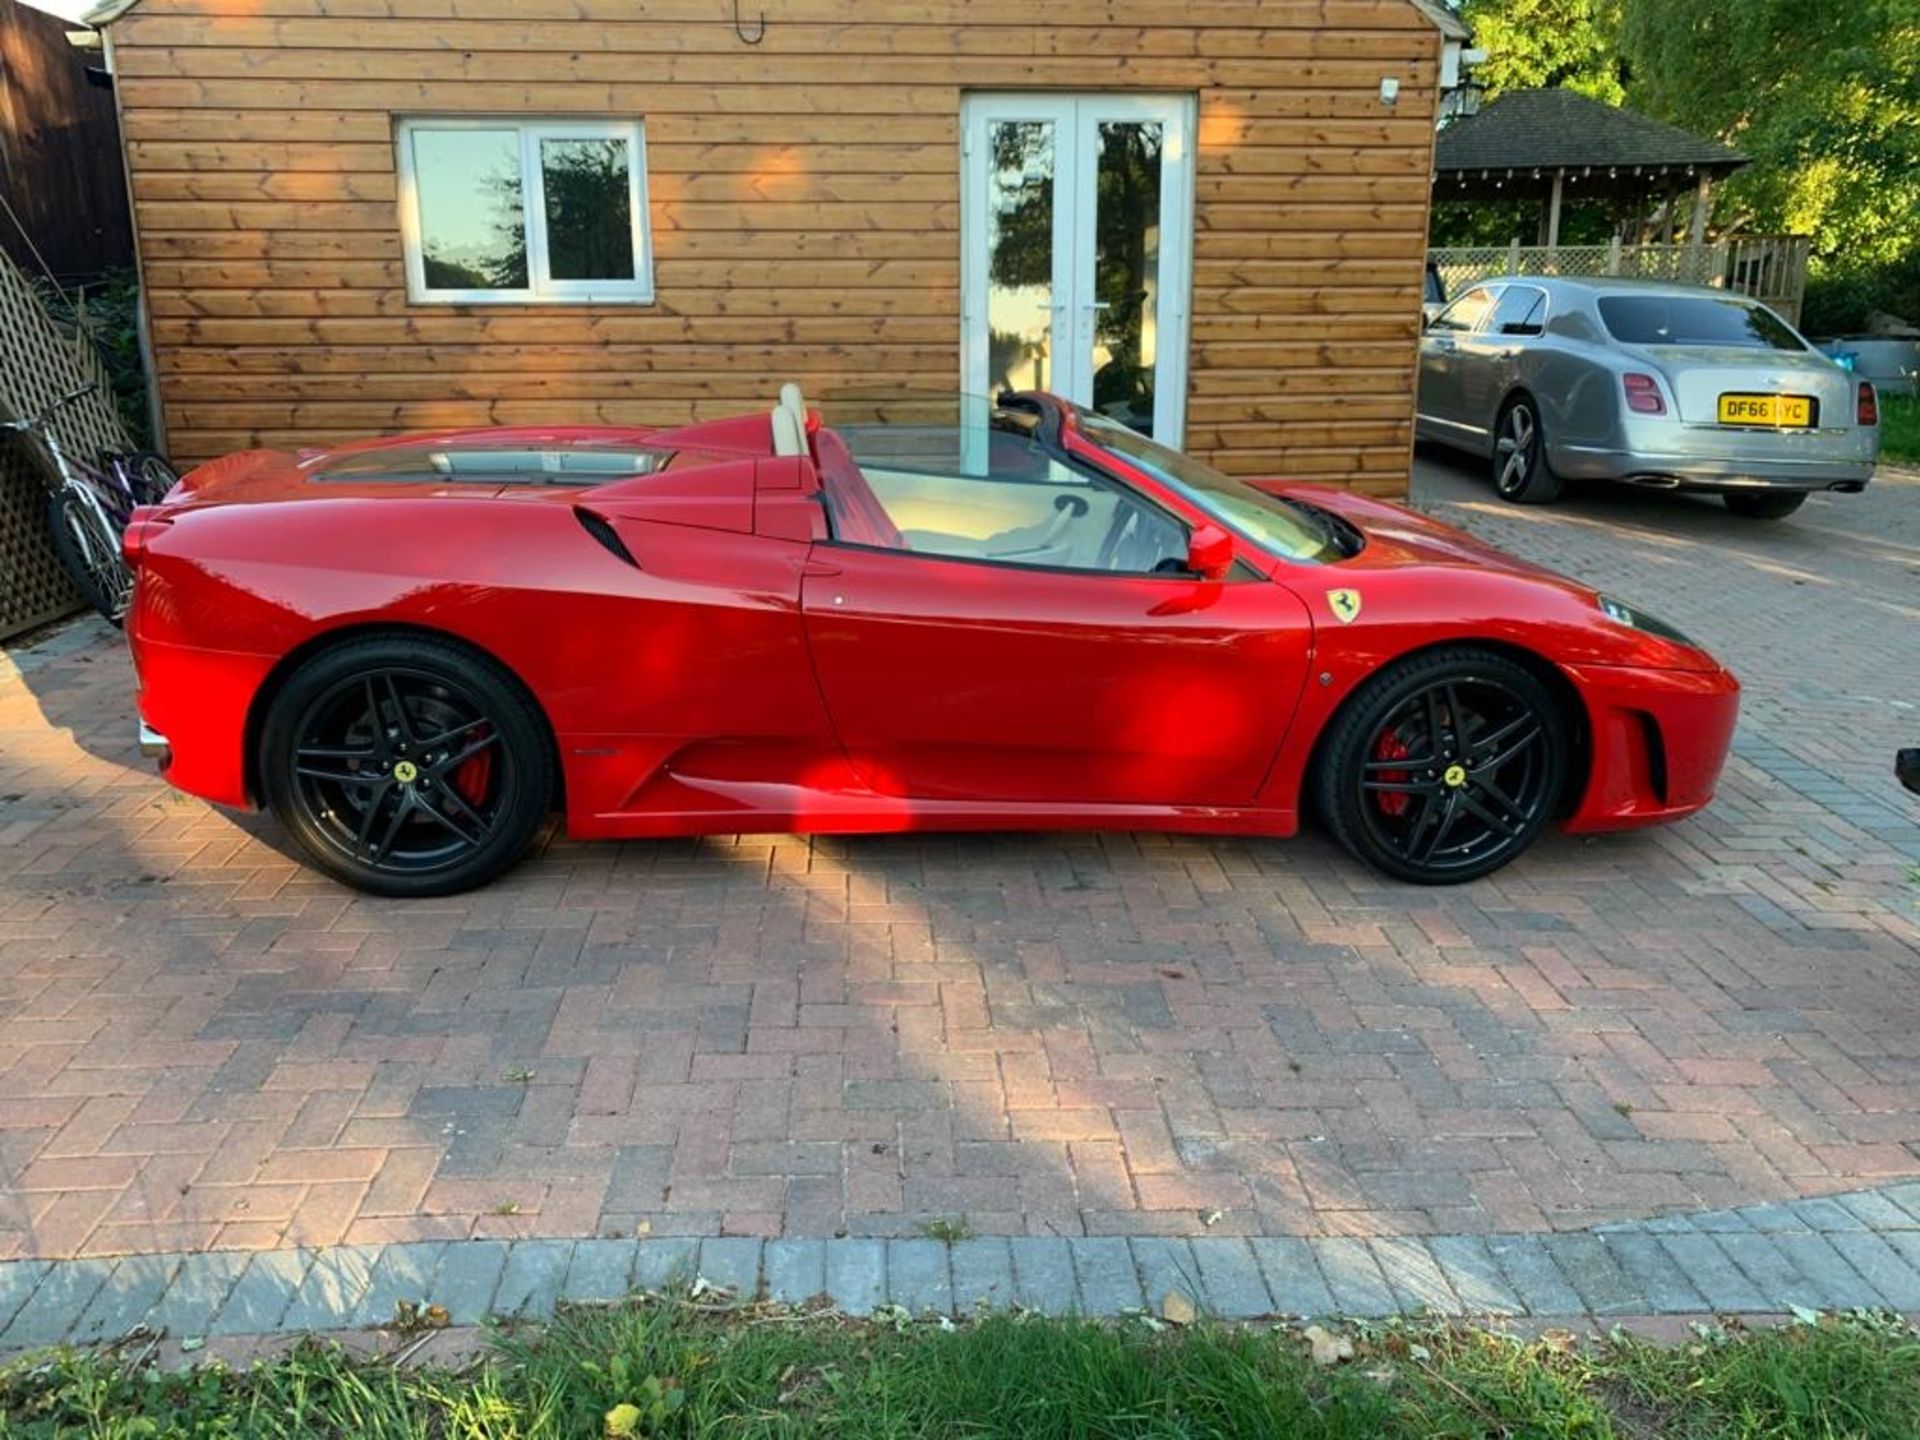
1640, 620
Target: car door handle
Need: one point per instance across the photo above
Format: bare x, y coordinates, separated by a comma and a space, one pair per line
819, 569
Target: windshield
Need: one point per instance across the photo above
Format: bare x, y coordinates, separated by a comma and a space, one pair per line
1285, 528
1695, 320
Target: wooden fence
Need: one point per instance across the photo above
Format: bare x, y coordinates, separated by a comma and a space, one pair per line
40, 362
1770, 268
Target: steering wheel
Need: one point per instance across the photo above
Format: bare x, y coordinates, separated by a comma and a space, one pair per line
1066, 509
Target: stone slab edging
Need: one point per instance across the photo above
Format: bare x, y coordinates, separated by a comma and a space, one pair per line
1837, 1252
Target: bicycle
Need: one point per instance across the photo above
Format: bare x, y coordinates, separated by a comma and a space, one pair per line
88, 511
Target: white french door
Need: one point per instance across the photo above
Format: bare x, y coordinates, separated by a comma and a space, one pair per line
1076, 217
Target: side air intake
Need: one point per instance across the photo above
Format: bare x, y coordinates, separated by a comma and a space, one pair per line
609, 538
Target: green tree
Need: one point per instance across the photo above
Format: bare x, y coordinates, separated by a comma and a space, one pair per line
1823, 95
1543, 44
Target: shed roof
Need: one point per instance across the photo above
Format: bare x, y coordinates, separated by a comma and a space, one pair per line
1565, 130
1440, 12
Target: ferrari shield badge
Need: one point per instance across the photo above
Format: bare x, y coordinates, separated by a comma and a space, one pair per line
1345, 605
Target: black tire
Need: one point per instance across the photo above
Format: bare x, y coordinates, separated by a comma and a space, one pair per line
89, 552
1421, 795
153, 476
407, 765
1764, 504
1520, 469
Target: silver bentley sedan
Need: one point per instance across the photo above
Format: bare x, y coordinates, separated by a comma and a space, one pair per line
1669, 386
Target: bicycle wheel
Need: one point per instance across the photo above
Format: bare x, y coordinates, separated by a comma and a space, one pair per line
149, 476
90, 552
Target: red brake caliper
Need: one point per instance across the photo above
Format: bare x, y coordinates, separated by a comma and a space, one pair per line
1390, 747
472, 778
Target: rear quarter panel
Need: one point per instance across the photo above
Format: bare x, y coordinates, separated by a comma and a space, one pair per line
628, 664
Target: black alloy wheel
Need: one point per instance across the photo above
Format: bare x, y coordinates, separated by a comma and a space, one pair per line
1444, 767
406, 765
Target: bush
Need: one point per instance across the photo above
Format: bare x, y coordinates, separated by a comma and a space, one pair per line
108, 311
1840, 298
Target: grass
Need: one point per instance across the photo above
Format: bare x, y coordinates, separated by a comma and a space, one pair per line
677, 1369
1900, 429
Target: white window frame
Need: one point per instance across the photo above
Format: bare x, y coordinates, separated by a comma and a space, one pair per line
541, 289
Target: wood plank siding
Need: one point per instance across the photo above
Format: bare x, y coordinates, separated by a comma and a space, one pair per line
804, 196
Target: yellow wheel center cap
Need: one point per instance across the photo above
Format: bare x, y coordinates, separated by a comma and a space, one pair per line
406, 772
1455, 776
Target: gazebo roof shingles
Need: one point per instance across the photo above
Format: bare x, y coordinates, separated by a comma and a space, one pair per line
1527, 130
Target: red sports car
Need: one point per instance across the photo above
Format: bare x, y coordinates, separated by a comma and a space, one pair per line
1007, 615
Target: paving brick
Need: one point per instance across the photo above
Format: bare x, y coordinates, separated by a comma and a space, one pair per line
1651, 1269
1293, 1279
665, 1262
1167, 1267
1530, 1268
857, 1275
733, 1264
1892, 1278
1591, 1270
1711, 1271
137, 1284
403, 1272
1838, 1285
1231, 1285
1109, 1283
56, 1303
1416, 1279
261, 1293
1353, 1277
919, 1278
1043, 1274
17, 1281
202, 1286
468, 1277
531, 1279
1474, 1275
599, 1271
1773, 1274
796, 1270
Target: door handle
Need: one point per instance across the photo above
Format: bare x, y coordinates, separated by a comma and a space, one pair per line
818, 569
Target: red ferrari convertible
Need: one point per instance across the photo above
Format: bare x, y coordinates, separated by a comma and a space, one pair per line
1008, 615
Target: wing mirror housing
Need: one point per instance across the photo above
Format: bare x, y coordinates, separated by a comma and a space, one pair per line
1209, 551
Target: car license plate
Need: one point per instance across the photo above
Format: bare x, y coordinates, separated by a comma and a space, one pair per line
1787, 412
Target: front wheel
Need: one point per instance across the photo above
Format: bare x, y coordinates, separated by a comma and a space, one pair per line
406, 765
1444, 766
1764, 504
89, 551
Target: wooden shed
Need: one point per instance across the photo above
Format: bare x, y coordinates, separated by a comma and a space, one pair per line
1206, 216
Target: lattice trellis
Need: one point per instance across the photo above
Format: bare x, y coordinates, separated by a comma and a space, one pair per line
39, 363
1772, 269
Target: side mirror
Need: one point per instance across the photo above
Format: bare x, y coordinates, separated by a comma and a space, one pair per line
1209, 551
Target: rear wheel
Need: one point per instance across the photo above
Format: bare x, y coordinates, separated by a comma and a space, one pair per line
406, 765
1443, 767
1764, 504
89, 551
152, 476
1520, 469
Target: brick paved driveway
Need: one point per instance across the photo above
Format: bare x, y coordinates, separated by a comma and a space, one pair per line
201, 1045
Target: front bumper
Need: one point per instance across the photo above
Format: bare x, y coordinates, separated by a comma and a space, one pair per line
1658, 740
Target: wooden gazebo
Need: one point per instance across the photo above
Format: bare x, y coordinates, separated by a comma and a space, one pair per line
1554, 146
